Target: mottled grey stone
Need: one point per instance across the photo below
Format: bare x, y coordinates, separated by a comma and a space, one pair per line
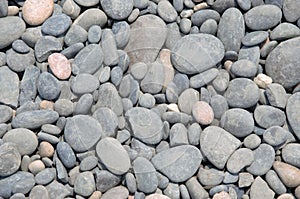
267, 116
289, 154
88, 163
195, 189
252, 141
277, 136
108, 121
45, 46
244, 4
199, 17
255, 38
39, 191
245, 179
117, 9
109, 47
20, 46
72, 50
121, 31
193, 134
19, 62
84, 104
293, 112
63, 107
48, 86
239, 159
178, 135
61, 171
119, 191
291, 10
56, 25
244, 68
32, 35
6, 113
66, 154
187, 99
276, 95
220, 83
45, 176
185, 25
284, 31
106, 180
57, 190
76, 34
222, 5
94, 34
172, 191
209, 26
250, 53
10, 159
203, 78
90, 17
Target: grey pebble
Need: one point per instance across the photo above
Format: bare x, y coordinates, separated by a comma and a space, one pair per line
32, 35
141, 4
56, 25
84, 104
48, 86
244, 4
284, 31
276, 95
220, 83
230, 178
210, 177
187, 99
94, 34
219, 105
154, 79
267, 116
138, 70
199, 17
134, 15
66, 154
104, 74
45, 46
20, 46
173, 35
275, 183
184, 193
260, 188
11, 160
119, 191
19, 62
289, 154
252, 141
163, 181
87, 3
12, 28
218, 189
147, 100
178, 135
209, 26
6, 113
90, 17
195, 189
185, 25
116, 75
123, 136
3, 8
64, 107
131, 182
203, 78
108, 121
39, 191
117, 9
85, 184
109, 47
84, 83
9, 90
2, 58
245, 179
45, 176
175, 117
193, 134
178, 5
51, 129
250, 53
239, 159
76, 34
292, 113
222, 5
71, 51
276, 136
255, 38
121, 31
106, 180
172, 191
57, 190
47, 137
166, 11
61, 171
70, 8
291, 10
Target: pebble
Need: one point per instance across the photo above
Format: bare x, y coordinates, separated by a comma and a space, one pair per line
134, 15
275, 183
267, 116
166, 11
178, 135
36, 166
276, 95
238, 122
187, 99
76, 34
116, 192
82, 132
147, 100
290, 10
212, 148
244, 68
106, 180
12, 10
121, 31
20, 46
255, 38
84, 83
25, 140
203, 78
202, 15
145, 124
187, 49
59, 65
256, 18
172, 191
88, 163
109, 48
94, 34
84, 184
287, 173
36, 12
9, 91
203, 113
84, 104
45, 176
262, 80
195, 189
276, 136
56, 25
185, 25
70, 8
39, 191
45, 46
90, 17
66, 154
260, 188
48, 86
183, 159
10, 158
239, 159
117, 9
264, 157
289, 154
108, 121
292, 113
57, 190
284, 31
209, 26
245, 179
6, 113
4, 8
87, 4
210, 177
154, 79
242, 93
18, 62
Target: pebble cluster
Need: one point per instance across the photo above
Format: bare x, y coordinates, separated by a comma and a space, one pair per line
150, 99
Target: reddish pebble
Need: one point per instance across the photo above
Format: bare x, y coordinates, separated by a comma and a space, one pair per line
46, 149
36, 166
96, 195
60, 65
157, 196
203, 113
46, 105
222, 195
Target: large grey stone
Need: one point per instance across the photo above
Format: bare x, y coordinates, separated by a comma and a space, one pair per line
291, 10
260, 189
267, 116
18, 62
108, 121
48, 86
9, 89
117, 9
293, 113
10, 159
240, 159
289, 154
154, 78
85, 184
45, 46
90, 17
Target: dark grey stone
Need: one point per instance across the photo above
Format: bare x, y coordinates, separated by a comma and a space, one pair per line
202, 15
84, 104
10, 158
45, 176
117, 9
12, 27
94, 34
291, 10
210, 177
56, 25
84, 83
203, 78
20, 46
238, 122
166, 11
106, 180
82, 132
231, 29
192, 46
292, 113
48, 86
178, 163
9, 90
275, 183
85, 184
66, 154
250, 53
108, 121
267, 116
222, 5
87, 3
88, 60
217, 145
124, 60
264, 157
45, 46
276, 95
76, 34
263, 17
72, 50
284, 31
57, 190
63, 107
239, 159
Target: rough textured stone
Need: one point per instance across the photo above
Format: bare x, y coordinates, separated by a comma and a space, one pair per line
57, 190
12, 28
292, 113
10, 158
288, 174
260, 189
117, 9
108, 121
9, 90
267, 116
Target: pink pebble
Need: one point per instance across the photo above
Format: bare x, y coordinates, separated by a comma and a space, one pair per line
59, 65
203, 113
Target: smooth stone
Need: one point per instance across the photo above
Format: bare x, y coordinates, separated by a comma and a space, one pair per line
177, 117
289, 154
134, 15
6, 113
48, 86
57, 190
187, 99
71, 51
35, 12
195, 189
84, 83
185, 25
154, 79
76, 34
254, 38
39, 191
66, 154
232, 21
276, 95
145, 124
178, 163
244, 68
242, 93
220, 83
59, 65
32, 35
173, 35
147, 100
230, 178
267, 116
292, 113
88, 163
20, 46
109, 47
240, 159
9, 90
267, 48
276, 136
219, 105
146, 178
19, 62
51, 129
108, 121
288, 174
56, 25
250, 53
10, 159
210, 177
217, 145
178, 135
275, 183
45, 46
191, 46
194, 132
84, 104
203, 78
94, 34
263, 17
118, 192
244, 4
70, 8
203, 113
25, 140
147, 35
284, 31
4, 8
209, 26
166, 11
121, 32
36, 166
222, 5
245, 179
117, 9
252, 141
172, 191
88, 60
45, 176
106, 180
238, 122
199, 17
84, 184
87, 3
264, 157
260, 188
291, 10
90, 17
82, 132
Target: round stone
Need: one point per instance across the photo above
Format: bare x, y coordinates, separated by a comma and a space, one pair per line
203, 113
147, 100
244, 68
267, 116
293, 112
25, 140
166, 11
56, 25
117, 9
252, 141
84, 184
196, 53
242, 93
46, 149
6, 113
84, 83
48, 86
59, 65
10, 159
290, 154
35, 12
82, 132
36, 166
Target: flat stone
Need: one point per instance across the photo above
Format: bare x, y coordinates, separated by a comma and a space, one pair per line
9, 91
220, 83
84, 83
276, 136
287, 173
118, 192
66, 154
203, 113
25, 140
238, 122
6, 113
289, 154
34, 119
147, 35
59, 65
195, 189
82, 132
250, 53
108, 121
48, 86
145, 174
178, 135
108, 150
84, 184
255, 38
145, 124
203, 78
87, 4
292, 113
57, 190
45, 46
166, 11
178, 163
63, 107
10, 158
231, 29
90, 17
244, 68
199, 17
56, 25
19, 62
106, 180
275, 183
76, 34
121, 32
242, 93
291, 10
267, 116
88, 60
109, 48
88, 163
117, 9
222, 5
189, 47
263, 17
260, 188
240, 159
154, 79
46, 176
187, 99
12, 29
36, 12
276, 95
264, 157
210, 177
217, 145
284, 31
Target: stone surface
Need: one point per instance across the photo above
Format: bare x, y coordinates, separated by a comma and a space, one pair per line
36, 12
287, 173
289, 154
84, 83
260, 188
59, 65
56, 25
12, 28
118, 192
91, 17
154, 79
285, 31
117, 9
39, 191
9, 90
210, 177
178, 163
10, 158
203, 113
275, 183
108, 121
166, 11
292, 113
240, 159
291, 10
66, 154
244, 68
106, 180
45, 46
85, 184
267, 116
48, 86
18, 62
254, 38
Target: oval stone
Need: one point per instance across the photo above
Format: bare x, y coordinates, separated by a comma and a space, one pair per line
82, 132
267, 116
178, 163
196, 53
291, 10
117, 9
10, 159
293, 113
48, 86
109, 150
90, 17
57, 25
59, 65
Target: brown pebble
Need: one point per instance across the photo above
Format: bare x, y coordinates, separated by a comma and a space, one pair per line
289, 175
46, 149
286, 196
203, 113
36, 166
59, 65
35, 12
12, 10
297, 192
157, 196
96, 195
222, 195
165, 59
46, 105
